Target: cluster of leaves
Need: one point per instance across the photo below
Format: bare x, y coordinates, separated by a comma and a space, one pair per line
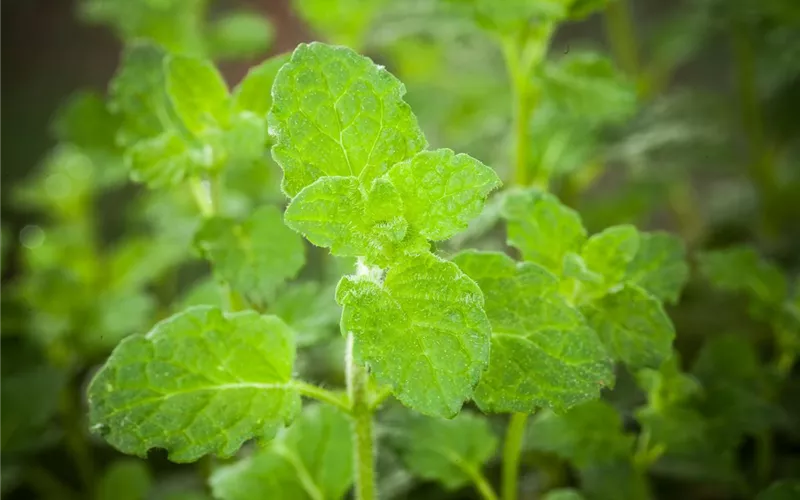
221, 318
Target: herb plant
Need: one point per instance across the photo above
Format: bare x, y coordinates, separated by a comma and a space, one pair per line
331, 284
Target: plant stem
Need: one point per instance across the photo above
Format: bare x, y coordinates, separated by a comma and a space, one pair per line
511, 452
481, 483
520, 59
320, 394
764, 452
361, 413
75, 439
619, 30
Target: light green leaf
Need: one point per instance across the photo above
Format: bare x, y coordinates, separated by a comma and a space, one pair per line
741, 269
336, 113
543, 352
668, 385
608, 253
563, 494
344, 22
254, 257
442, 191
447, 451
198, 93
335, 213
659, 266
542, 228
240, 34
199, 382
787, 489
633, 326
588, 434
312, 459
421, 331
588, 86
309, 309
253, 92
86, 122
137, 93
160, 161
246, 140
125, 479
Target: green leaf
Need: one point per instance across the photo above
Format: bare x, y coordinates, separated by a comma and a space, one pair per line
30, 405
310, 310
160, 161
563, 494
253, 92
580, 9
633, 326
786, 489
737, 389
741, 269
335, 213
312, 459
668, 385
421, 331
336, 113
589, 434
199, 382
608, 253
246, 140
588, 86
543, 352
447, 451
198, 93
137, 93
617, 480
542, 228
86, 122
254, 257
344, 22
660, 266
125, 479
240, 34
442, 191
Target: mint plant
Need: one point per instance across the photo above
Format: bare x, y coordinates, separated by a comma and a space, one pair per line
334, 279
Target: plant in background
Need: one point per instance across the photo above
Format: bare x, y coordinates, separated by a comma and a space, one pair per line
223, 320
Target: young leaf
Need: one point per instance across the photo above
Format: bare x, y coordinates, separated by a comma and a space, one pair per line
543, 352
309, 309
588, 434
240, 34
199, 382
336, 113
344, 22
633, 326
161, 161
442, 191
197, 92
608, 253
542, 228
311, 459
254, 257
447, 451
740, 269
421, 331
251, 94
125, 479
659, 266
137, 93
86, 122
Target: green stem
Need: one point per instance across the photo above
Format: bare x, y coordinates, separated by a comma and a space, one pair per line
481, 483
764, 452
761, 166
621, 36
75, 439
361, 413
511, 452
202, 196
520, 59
323, 395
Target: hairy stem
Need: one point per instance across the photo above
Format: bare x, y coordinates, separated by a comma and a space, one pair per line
511, 452
519, 63
322, 395
361, 414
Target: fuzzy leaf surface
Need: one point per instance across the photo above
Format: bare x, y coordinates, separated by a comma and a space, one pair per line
198, 93
659, 266
336, 113
199, 382
421, 331
544, 354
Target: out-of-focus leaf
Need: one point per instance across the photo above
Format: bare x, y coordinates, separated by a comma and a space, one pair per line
125, 479
240, 34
